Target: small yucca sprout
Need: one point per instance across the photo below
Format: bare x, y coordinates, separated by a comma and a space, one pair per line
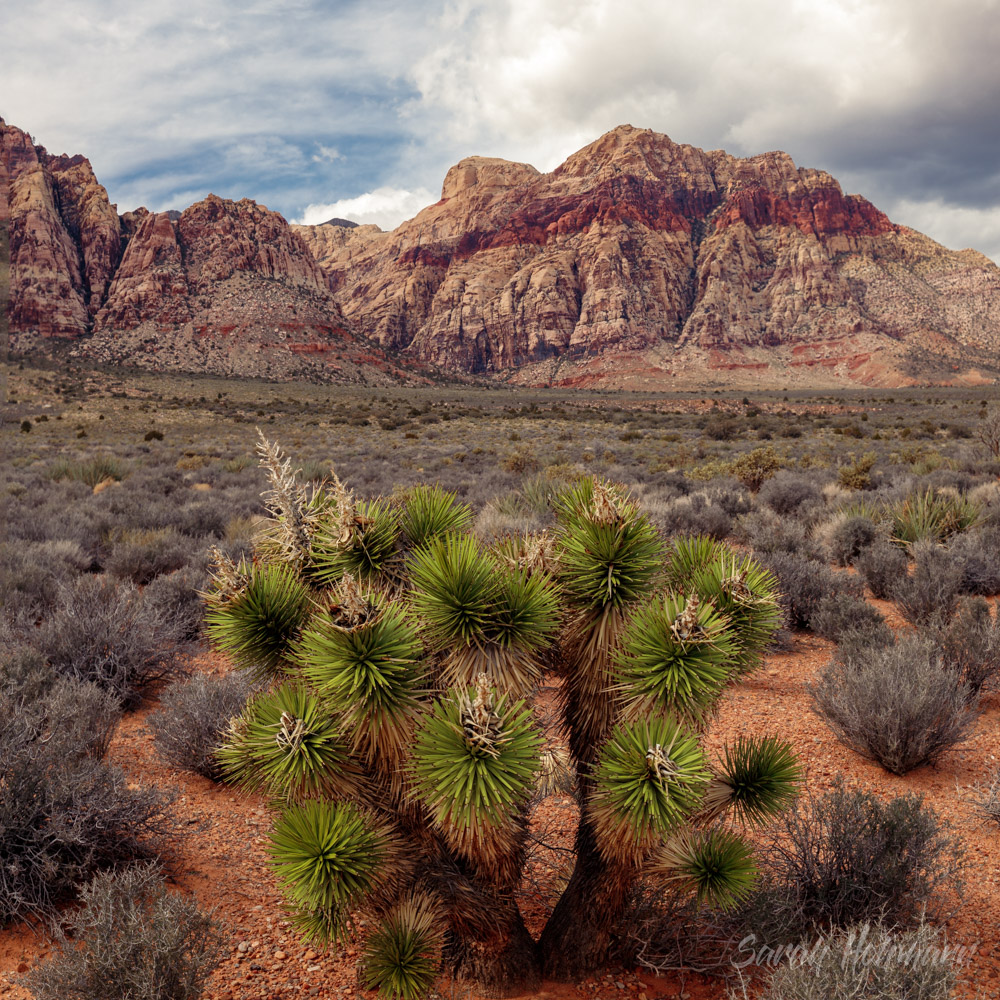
675, 657
258, 625
648, 780
286, 745
371, 677
608, 551
716, 864
748, 595
759, 779
481, 616
363, 545
329, 858
430, 512
402, 957
474, 764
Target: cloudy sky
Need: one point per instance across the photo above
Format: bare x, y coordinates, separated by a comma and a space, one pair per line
331, 107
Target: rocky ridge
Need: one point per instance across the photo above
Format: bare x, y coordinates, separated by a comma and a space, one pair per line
224, 287
637, 263
639, 259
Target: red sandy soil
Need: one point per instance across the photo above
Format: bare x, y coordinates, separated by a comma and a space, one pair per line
222, 855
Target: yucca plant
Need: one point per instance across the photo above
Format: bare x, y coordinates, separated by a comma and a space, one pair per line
430, 512
399, 745
932, 516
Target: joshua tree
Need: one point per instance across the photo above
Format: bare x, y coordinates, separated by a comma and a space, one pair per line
399, 743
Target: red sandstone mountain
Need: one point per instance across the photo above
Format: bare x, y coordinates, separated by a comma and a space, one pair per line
639, 259
224, 287
637, 263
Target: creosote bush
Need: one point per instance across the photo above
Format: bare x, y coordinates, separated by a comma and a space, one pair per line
131, 940
897, 705
109, 634
847, 857
64, 813
193, 717
867, 960
399, 742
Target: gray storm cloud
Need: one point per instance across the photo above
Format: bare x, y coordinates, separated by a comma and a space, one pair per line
896, 98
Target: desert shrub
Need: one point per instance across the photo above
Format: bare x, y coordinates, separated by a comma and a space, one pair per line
895, 705
142, 555
840, 613
109, 634
857, 475
848, 537
32, 575
131, 940
804, 585
691, 515
978, 555
723, 428
868, 960
766, 532
754, 468
728, 495
177, 598
970, 644
881, 565
193, 716
986, 797
848, 857
64, 813
929, 593
789, 493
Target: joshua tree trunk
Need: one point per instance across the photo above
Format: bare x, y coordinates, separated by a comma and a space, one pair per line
578, 935
501, 964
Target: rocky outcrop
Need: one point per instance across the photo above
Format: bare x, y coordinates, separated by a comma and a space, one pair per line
228, 287
64, 238
636, 261
224, 287
637, 243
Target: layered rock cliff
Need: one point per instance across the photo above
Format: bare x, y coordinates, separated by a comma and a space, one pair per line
635, 262
224, 286
640, 244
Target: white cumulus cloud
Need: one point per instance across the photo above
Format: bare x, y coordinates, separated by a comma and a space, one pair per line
386, 207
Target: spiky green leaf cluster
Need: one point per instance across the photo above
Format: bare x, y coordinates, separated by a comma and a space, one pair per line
759, 778
370, 675
365, 546
482, 616
287, 745
717, 864
430, 512
402, 957
675, 657
609, 553
329, 857
648, 780
687, 556
258, 624
740, 589
474, 764
930, 515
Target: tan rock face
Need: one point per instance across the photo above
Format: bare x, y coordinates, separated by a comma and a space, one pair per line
639, 243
